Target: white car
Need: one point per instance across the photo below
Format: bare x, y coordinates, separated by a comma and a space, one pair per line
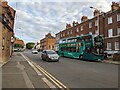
34, 51
49, 55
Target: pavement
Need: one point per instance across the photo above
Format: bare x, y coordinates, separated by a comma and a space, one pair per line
111, 62
17, 73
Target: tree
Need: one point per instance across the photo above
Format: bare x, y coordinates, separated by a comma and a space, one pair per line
30, 45
16, 45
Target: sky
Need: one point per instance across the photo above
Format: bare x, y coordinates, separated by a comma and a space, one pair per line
35, 18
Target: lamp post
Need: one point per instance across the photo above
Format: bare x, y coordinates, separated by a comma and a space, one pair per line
97, 18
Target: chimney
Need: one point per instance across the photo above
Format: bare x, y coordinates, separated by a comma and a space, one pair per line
115, 6
75, 23
84, 18
4, 3
68, 26
96, 12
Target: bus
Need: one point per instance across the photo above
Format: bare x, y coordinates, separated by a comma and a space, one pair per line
86, 47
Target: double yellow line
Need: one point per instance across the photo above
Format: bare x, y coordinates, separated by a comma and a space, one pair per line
47, 75
50, 77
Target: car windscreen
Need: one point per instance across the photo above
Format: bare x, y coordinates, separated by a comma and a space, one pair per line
51, 52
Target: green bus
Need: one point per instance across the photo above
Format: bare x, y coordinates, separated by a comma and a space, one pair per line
87, 47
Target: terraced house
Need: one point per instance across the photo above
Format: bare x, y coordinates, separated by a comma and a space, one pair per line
48, 43
7, 16
104, 24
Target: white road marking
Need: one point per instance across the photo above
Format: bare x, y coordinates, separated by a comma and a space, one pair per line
39, 73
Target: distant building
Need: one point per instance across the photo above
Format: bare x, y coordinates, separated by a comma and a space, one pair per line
109, 27
48, 43
37, 46
57, 41
7, 15
19, 41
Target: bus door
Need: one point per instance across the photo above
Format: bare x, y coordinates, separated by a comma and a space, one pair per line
82, 48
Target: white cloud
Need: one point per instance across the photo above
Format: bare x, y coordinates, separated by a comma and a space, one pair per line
37, 18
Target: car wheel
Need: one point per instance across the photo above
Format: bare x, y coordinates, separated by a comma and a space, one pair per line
57, 61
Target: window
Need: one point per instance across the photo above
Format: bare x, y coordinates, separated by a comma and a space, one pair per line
68, 32
118, 31
117, 46
97, 32
118, 17
109, 20
96, 23
61, 35
90, 32
49, 46
110, 33
52, 47
81, 28
108, 46
77, 29
90, 25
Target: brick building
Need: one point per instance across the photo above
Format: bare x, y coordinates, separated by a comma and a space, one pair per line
7, 15
19, 41
105, 24
19, 44
48, 43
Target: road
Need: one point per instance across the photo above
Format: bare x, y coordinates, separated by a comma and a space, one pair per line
80, 74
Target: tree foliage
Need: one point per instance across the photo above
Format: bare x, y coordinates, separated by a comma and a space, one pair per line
16, 45
30, 45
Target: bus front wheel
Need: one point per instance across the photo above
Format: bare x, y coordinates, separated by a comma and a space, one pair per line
81, 57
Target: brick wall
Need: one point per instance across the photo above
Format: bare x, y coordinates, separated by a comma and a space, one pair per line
6, 27
48, 43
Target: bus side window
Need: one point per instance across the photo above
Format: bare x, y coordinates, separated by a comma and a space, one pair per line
82, 44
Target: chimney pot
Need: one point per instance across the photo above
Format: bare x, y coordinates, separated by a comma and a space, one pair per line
115, 6
96, 12
84, 18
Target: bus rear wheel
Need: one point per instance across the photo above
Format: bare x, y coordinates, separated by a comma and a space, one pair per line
62, 55
81, 57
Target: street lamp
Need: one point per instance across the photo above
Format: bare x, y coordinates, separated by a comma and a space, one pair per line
97, 18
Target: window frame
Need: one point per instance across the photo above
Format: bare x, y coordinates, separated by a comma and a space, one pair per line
90, 24
118, 17
118, 31
117, 45
110, 35
96, 22
77, 29
109, 46
110, 20
81, 28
